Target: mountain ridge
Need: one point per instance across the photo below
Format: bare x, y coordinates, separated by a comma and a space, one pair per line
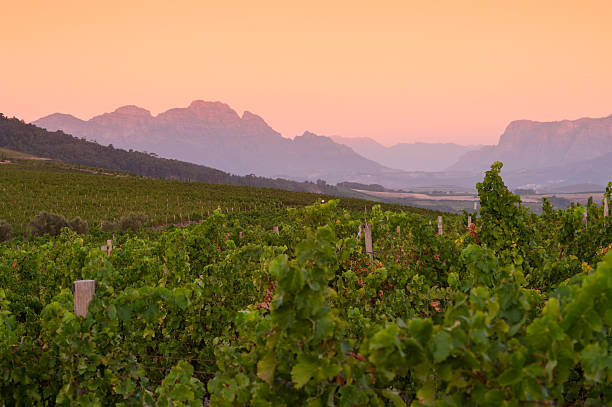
215, 135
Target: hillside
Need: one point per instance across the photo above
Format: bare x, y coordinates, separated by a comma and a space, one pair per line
27, 138
214, 135
7, 154
29, 185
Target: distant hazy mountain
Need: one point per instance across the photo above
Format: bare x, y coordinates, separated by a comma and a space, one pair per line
537, 155
407, 156
527, 144
213, 134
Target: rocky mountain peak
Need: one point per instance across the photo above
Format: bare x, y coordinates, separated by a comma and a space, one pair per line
132, 110
249, 117
212, 110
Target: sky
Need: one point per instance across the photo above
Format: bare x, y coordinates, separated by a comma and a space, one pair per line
395, 71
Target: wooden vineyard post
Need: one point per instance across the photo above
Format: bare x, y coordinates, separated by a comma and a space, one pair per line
275, 229
606, 210
240, 235
440, 225
399, 232
108, 248
84, 291
359, 233
367, 229
584, 218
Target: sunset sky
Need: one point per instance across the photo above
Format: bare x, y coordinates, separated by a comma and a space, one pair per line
434, 71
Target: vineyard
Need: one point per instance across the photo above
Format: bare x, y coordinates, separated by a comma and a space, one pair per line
512, 309
28, 187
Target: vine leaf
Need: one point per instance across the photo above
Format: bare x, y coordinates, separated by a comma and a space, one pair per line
266, 367
303, 372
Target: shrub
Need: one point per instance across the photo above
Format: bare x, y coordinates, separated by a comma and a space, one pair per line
79, 225
109, 226
133, 222
6, 231
47, 223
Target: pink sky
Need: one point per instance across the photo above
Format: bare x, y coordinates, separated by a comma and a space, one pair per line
444, 71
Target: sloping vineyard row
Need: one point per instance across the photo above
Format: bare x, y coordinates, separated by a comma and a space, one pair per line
26, 190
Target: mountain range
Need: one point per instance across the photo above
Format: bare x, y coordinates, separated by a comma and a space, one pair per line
213, 134
535, 154
408, 156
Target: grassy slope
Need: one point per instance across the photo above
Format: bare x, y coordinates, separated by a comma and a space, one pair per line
12, 154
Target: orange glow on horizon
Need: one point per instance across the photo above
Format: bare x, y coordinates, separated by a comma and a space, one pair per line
444, 71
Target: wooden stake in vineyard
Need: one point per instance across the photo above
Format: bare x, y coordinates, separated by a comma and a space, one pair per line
440, 225
275, 229
469, 220
399, 233
108, 248
367, 228
584, 217
605, 211
84, 291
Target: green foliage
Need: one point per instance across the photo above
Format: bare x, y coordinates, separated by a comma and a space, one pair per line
504, 222
514, 310
179, 388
